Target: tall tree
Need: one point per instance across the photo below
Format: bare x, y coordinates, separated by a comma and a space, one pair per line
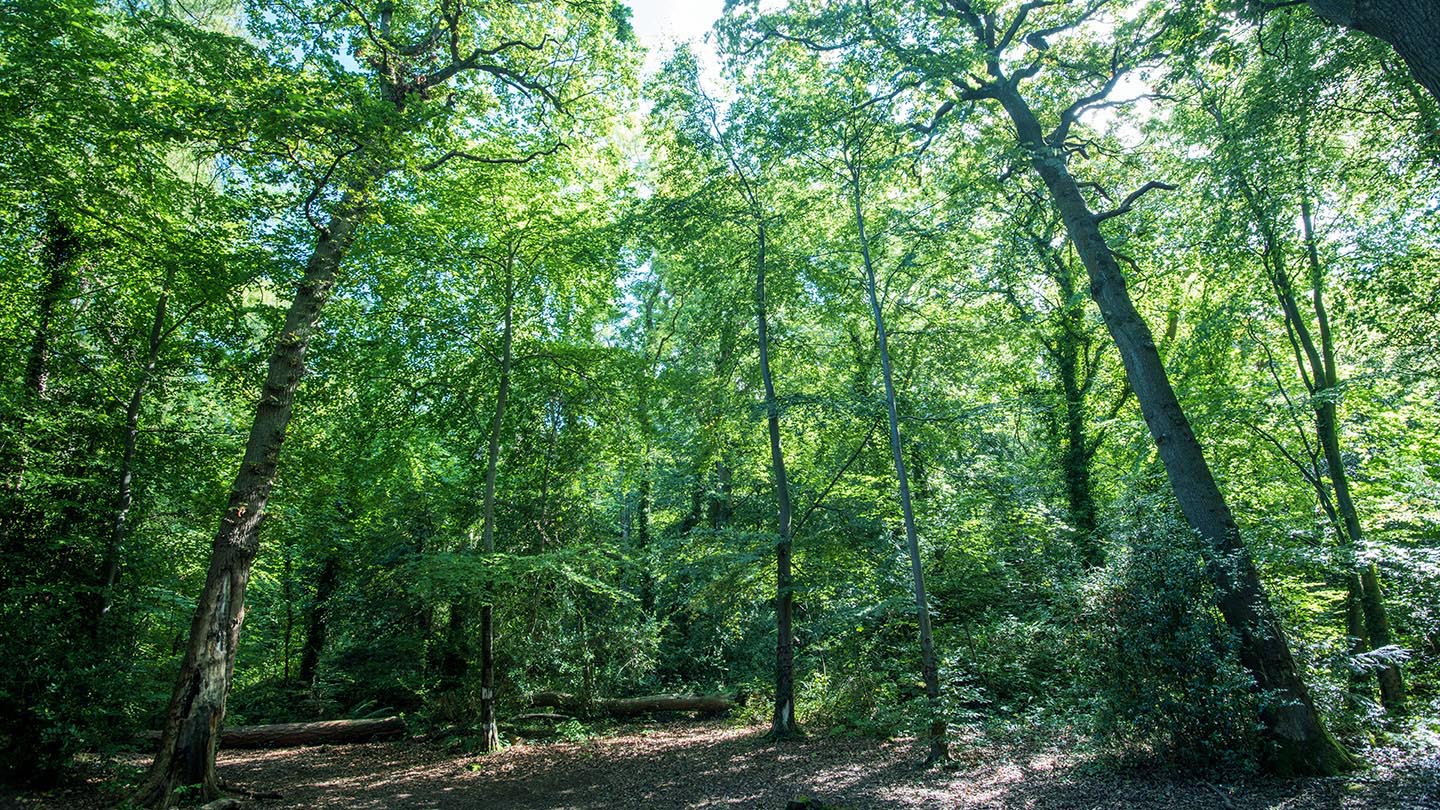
414, 55
1003, 50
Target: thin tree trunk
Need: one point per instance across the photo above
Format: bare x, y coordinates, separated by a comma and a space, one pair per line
939, 749
58, 250
186, 758
782, 722
124, 490
1377, 625
489, 733
317, 624
1075, 461
1411, 27
1301, 745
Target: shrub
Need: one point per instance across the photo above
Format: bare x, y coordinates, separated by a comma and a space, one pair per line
1165, 678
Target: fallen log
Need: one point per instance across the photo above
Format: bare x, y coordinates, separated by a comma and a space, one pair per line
324, 732
636, 706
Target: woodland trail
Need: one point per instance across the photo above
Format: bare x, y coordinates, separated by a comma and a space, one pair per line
716, 765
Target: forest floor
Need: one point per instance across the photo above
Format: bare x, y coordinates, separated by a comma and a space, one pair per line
716, 765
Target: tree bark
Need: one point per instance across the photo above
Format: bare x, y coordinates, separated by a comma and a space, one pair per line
124, 489
489, 733
323, 732
637, 706
939, 749
186, 757
317, 624
1411, 27
1301, 745
782, 722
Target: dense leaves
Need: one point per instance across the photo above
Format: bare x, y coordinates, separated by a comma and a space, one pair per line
506, 205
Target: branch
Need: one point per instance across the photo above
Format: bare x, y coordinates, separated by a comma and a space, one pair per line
1019, 20
1074, 111
1129, 203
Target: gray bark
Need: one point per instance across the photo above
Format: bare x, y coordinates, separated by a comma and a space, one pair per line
929, 670
186, 758
1411, 27
1300, 742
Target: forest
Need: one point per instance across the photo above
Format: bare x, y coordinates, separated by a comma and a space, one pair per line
862, 403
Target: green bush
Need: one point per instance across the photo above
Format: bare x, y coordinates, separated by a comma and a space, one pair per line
1164, 676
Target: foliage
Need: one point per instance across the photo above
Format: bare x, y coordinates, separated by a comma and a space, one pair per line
166, 172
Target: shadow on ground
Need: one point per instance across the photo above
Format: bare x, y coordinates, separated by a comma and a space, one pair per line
713, 765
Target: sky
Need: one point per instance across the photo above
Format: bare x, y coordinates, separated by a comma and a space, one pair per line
659, 23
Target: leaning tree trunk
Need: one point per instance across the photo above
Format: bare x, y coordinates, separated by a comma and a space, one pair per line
1301, 745
939, 749
782, 723
1411, 27
186, 759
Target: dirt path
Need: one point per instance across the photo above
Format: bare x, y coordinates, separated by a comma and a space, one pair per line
713, 765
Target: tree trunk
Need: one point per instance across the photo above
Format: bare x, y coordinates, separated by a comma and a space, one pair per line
939, 749
124, 490
782, 722
186, 758
58, 249
1075, 461
323, 732
1355, 630
489, 733
1392, 688
318, 622
1301, 745
1412, 27
1377, 624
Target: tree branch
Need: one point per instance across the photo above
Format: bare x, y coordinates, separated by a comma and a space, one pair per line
1129, 203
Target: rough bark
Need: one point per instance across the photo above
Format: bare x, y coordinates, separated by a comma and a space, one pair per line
186, 758
1300, 744
939, 749
1411, 27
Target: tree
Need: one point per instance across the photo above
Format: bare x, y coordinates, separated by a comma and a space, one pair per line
1411, 27
741, 174
414, 56
1009, 50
